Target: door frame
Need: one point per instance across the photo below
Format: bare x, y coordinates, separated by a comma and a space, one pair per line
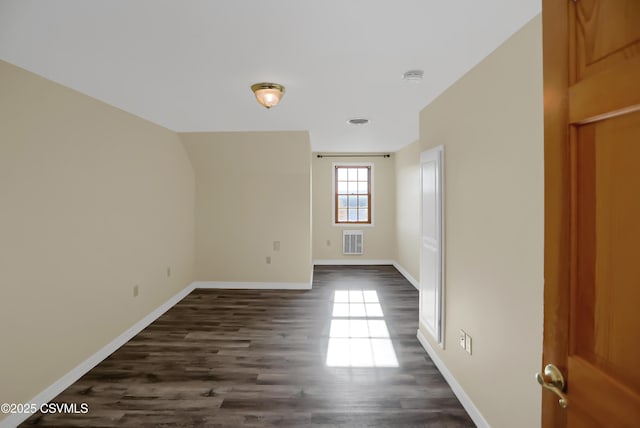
437, 154
557, 203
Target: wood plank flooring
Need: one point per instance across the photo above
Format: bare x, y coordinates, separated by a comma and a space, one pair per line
236, 358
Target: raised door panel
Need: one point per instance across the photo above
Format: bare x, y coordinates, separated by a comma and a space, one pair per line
604, 34
604, 376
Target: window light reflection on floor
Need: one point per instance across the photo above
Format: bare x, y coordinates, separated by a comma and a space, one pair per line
358, 336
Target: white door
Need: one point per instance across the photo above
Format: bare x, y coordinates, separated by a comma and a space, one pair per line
431, 254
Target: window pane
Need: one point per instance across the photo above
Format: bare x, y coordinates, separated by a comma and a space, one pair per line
353, 181
342, 174
363, 174
353, 174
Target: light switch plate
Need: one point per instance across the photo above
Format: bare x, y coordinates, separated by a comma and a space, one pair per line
463, 339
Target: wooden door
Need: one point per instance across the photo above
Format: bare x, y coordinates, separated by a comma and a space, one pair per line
592, 210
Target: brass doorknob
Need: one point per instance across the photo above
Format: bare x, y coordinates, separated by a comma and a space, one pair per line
554, 382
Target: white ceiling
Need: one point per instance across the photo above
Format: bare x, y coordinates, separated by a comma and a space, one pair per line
188, 65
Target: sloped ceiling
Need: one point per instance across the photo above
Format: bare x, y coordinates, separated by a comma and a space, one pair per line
188, 65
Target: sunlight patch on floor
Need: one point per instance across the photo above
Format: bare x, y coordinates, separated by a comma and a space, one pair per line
358, 336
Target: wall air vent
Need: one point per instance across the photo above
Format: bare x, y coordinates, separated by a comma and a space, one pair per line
352, 242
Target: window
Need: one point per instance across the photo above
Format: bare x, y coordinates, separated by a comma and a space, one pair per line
352, 186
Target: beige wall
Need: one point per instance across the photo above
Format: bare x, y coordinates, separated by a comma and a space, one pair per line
408, 208
93, 201
252, 188
379, 239
490, 123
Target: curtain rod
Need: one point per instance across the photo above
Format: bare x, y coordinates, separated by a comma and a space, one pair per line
386, 155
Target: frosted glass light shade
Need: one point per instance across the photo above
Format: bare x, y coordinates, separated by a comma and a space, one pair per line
268, 94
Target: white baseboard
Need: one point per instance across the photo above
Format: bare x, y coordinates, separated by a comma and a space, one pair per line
406, 274
253, 285
353, 262
465, 400
77, 372
365, 262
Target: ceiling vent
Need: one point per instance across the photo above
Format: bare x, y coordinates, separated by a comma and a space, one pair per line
413, 75
358, 121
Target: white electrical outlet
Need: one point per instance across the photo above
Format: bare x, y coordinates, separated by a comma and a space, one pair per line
276, 245
462, 338
467, 343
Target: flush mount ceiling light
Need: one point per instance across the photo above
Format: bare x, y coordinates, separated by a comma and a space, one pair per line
268, 94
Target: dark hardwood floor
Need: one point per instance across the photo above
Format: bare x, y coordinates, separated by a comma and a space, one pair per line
232, 358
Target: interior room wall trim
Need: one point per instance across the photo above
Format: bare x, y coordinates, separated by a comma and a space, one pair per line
355, 262
407, 275
465, 400
84, 367
253, 285
365, 262
81, 369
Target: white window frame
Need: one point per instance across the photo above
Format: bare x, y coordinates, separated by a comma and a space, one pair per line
333, 193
